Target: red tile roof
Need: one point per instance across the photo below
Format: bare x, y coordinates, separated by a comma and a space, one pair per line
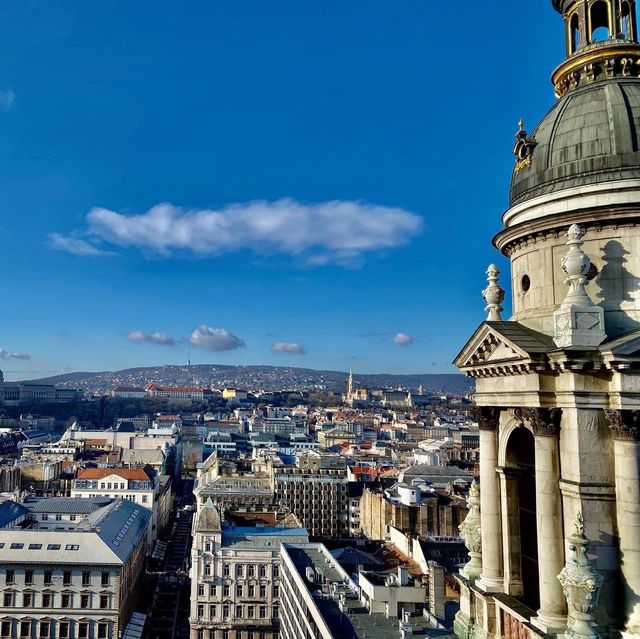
125, 473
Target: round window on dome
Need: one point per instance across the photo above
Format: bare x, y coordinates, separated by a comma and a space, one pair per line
525, 283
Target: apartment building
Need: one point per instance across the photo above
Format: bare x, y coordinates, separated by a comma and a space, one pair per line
81, 582
235, 572
315, 489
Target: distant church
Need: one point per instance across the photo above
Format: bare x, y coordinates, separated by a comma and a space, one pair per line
554, 534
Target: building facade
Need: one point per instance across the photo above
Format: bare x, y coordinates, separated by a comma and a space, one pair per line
556, 539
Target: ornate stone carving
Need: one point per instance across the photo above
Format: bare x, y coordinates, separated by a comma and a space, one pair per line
624, 424
470, 532
544, 421
578, 323
493, 295
488, 417
581, 585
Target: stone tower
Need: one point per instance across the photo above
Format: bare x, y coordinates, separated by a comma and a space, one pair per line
558, 385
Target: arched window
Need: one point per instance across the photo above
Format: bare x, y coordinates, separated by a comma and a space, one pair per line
625, 24
574, 32
599, 21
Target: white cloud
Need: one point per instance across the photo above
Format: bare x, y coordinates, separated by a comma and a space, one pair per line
215, 339
5, 354
150, 338
290, 349
7, 98
74, 245
402, 339
333, 231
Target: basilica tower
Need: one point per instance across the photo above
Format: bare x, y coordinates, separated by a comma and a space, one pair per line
558, 384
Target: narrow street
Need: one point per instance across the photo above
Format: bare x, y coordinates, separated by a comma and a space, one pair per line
169, 613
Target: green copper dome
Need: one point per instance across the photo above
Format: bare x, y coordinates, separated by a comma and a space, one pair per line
590, 136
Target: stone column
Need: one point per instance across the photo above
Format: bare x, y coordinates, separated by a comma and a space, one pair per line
625, 426
551, 616
511, 549
490, 511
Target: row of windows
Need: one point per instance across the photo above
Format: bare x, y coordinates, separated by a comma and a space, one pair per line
46, 629
201, 633
49, 599
251, 569
48, 575
241, 612
240, 590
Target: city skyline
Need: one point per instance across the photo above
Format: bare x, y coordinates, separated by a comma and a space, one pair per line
256, 185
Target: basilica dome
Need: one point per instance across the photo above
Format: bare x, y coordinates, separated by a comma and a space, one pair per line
590, 136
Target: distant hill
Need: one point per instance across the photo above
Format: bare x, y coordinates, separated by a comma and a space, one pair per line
255, 378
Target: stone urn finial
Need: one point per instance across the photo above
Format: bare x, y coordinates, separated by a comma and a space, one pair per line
581, 585
578, 322
470, 532
493, 295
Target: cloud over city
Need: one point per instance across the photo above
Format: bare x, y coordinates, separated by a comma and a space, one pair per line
402, 339
289, 349
215, 339
321, 233
5, 354
74, 245
159, 338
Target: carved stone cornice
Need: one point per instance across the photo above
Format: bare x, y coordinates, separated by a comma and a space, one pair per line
544, 421
488, 417
624, 424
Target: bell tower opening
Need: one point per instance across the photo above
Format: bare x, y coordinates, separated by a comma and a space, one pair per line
522, 508
599, 21
574, 33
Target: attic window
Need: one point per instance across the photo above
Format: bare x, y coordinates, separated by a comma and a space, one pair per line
525, 283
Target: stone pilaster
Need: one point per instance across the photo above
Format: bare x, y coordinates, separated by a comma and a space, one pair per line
624, 425
546, 428
490, 508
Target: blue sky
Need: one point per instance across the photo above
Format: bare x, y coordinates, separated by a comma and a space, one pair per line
366, 145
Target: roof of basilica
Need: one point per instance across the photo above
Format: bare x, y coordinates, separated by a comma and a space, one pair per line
588, 137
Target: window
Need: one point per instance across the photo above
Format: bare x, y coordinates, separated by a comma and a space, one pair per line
212, 591
5, 629
239, 570
16, 546
262, 571
239, 612
72, 547
263, 612
103, 630
48, 577
276, 572
251, 612
239, 590
200, 633
276, 590
27, 599
66, 600
47, 600
45, 517
263, 592
225, 612
599, 21
252, 591
225, 590
144, 499
35, 546
104, 601
84, 600
63, 630
200, 611
25, 628
45, 629
58, 517
200, 590
207, 547
226, 570
213, 611
53, 547
66, 578
83, 630
28, 577
86, 578
10, 577
104, 580
72, 517
207, 570
8, 599
252, 571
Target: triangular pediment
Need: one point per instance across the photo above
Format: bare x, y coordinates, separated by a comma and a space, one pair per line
504, 343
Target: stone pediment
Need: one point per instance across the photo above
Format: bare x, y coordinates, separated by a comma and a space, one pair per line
502, 346
622, 352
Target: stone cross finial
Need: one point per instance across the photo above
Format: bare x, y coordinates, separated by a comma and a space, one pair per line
470, 532
581, 585
493, 295
578, 323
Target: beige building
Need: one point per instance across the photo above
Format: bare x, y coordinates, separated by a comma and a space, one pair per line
235, 572
555, 537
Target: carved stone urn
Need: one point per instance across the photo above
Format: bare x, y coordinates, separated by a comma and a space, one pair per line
470, 532
581, 585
